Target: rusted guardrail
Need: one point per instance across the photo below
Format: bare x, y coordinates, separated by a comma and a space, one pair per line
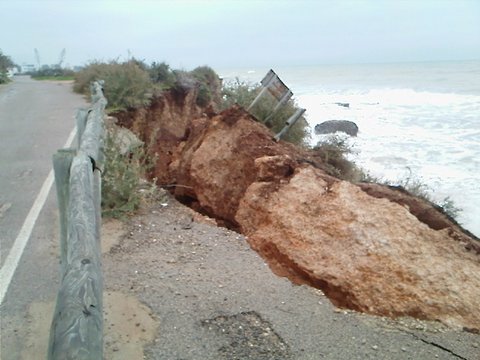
77, 325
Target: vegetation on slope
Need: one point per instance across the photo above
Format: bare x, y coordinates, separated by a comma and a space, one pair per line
133, 84
124, 169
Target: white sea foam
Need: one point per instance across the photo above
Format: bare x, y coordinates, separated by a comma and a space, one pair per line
432, 137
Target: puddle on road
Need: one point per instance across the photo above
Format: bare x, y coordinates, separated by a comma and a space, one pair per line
112, 232
4, 208
128, 326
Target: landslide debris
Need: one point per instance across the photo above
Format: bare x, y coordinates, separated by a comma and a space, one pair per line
367, 248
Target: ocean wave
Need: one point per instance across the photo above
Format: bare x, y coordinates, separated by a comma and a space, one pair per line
389, 96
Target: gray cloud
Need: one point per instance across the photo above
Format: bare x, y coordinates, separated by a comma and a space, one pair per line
242, 33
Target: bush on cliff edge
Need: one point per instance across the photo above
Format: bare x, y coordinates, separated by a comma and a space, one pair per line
127, 85
124, 169
209, 85
334, 151
132, 84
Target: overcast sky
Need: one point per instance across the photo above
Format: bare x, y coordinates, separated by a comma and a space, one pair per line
241, 33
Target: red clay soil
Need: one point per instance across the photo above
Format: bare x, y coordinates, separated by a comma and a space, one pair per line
368, 247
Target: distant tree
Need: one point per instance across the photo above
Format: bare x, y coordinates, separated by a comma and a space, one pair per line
53, 71
160, 73
5, 64
209, 85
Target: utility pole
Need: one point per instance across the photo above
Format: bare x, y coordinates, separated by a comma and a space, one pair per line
61, 58
37, 58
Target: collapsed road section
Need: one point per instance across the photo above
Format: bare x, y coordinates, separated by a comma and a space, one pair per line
369, 247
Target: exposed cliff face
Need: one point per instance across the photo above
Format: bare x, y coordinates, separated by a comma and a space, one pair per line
226, 147
368, 247
162, 126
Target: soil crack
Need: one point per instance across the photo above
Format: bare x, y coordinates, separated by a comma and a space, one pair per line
434, 344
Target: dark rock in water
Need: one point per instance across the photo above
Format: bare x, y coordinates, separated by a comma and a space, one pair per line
343, 104
332, 126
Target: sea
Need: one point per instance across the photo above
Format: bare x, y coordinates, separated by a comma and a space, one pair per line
418, 122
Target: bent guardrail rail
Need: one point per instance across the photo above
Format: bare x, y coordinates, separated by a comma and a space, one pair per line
77, 325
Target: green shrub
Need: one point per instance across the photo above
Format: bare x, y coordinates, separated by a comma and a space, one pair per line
5, 64
418, 189
122, 174
209, 85
83, 78
238, 92
334, 151
449, 208
243, 94
161, 74
415, 187
132, 84
127, 85
4, 78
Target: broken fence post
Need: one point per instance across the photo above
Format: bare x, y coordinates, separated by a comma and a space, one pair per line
257, 98
290, 122
282, 102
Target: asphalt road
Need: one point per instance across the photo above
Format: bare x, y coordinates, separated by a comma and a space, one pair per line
36, 118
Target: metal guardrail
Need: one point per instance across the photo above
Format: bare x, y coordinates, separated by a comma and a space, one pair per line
77, 325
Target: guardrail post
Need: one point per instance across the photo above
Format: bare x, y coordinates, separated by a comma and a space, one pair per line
81, 121
77, 326
62, 161
78, 320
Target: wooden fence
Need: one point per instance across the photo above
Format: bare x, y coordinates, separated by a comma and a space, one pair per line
77, 325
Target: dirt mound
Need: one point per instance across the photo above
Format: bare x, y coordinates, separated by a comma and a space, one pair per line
366, 247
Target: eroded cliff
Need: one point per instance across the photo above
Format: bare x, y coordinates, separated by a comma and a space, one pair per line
368, 247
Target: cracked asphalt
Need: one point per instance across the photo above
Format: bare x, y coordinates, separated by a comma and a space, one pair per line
215, 298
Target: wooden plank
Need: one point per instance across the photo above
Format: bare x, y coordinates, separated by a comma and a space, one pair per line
77, 327
81, 122
62, 161
277, 107
93, 133
257, 98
